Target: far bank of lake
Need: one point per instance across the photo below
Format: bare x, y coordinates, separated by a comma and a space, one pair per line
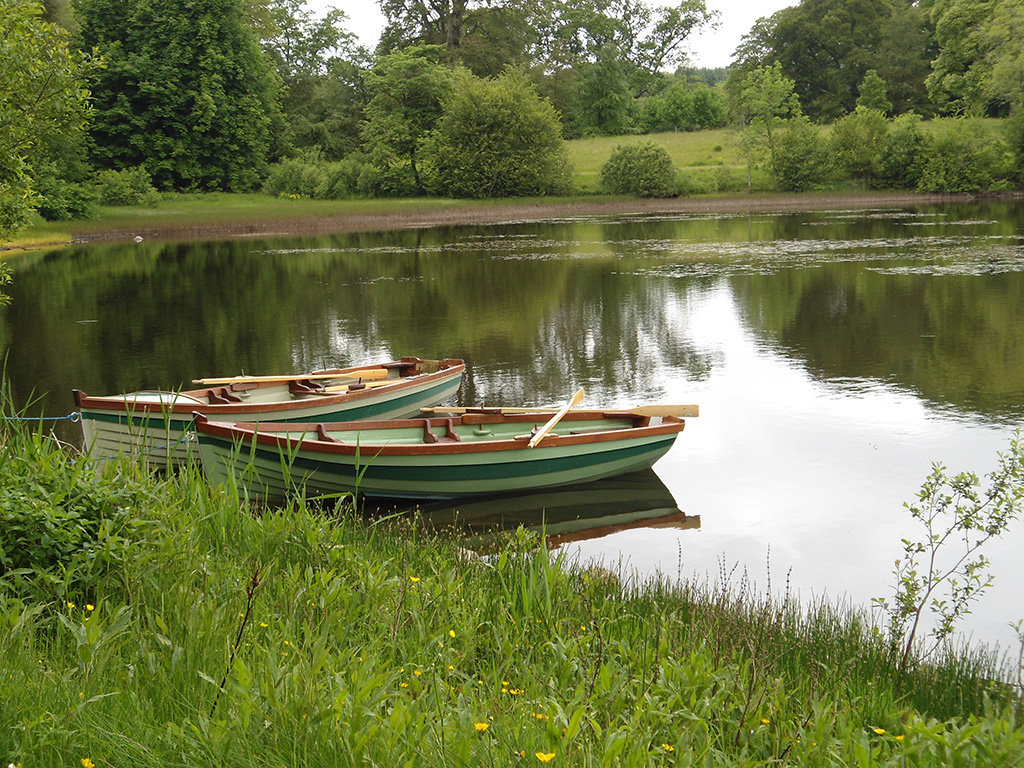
217, 215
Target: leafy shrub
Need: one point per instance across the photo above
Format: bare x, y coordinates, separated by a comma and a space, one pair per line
296, 176
644, 170
342, 179
800, 159
308, 176
64, 200
60, 178
904, 154
130, 186
859, 142
496, 138
963, 158
1015, 141
62, 527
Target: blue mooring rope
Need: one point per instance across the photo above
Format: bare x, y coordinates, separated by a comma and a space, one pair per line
73, 416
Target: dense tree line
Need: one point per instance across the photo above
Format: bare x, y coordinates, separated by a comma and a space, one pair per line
473, 97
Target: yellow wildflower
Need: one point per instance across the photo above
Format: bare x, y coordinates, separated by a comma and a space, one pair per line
403, 685
90, 607
87, 763
900, 737
668, 747
765, 721
545, 757
481, 726
71, 605
879, 731
417, 672
414, 579
451, 633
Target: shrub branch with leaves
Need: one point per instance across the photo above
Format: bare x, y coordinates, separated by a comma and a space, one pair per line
946, 571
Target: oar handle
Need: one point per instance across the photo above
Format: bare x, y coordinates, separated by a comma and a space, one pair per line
543, 431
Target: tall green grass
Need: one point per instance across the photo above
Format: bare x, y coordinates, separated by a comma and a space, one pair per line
215, 633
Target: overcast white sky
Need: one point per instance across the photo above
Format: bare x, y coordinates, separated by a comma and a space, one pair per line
710, 48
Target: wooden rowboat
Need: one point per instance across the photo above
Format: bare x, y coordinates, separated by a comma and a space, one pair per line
157, 424
477, 453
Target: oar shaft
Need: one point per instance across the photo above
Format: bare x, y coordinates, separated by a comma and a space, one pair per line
367, 384
355, 373
680, 411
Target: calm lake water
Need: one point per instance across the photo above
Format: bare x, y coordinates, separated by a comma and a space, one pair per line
835, 356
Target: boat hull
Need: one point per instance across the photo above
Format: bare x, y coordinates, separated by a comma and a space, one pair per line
271, 463
159, 425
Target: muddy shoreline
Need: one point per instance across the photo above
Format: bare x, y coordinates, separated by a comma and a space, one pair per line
510, 211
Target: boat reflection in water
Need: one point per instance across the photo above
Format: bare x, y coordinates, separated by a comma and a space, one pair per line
570, 513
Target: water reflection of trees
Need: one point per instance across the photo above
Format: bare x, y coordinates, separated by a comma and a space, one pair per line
533, 323
956, 339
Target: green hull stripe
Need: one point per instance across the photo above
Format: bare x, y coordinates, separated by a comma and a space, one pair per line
445, 473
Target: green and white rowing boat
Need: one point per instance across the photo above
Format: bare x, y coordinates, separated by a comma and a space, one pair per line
442, 457
158, 424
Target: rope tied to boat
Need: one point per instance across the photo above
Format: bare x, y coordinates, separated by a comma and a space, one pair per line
74, 417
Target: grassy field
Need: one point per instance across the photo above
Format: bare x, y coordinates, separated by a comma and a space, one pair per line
699, 154
158, 622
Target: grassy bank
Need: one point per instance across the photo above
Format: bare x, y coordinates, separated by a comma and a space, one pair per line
712, 176
157, 622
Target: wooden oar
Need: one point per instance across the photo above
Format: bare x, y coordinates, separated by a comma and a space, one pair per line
543, 431
367, 385
680, 411
356, 373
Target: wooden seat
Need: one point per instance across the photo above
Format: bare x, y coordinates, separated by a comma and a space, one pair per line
221, 397
450, 435
321, 433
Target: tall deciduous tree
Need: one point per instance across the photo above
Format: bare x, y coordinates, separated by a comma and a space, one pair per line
827, 46
498, 138
42, 94
765, 100
1002, 39
604, 97
321, 69
432, 22
406, 89
955, 83
980, 65
187, 91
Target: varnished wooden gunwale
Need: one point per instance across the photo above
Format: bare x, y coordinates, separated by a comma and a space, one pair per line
232, 411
